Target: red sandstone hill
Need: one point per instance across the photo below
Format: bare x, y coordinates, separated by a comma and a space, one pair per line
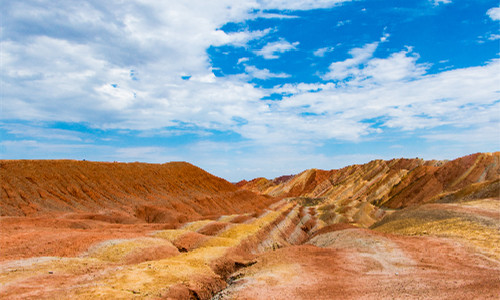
395, 183
69, 247
172, 192
355, 193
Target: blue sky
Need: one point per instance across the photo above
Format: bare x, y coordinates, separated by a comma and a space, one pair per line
249, 88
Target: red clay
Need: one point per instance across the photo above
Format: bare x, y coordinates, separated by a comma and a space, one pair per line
171, 192
213, 228
62, 208
31, 237
189, 241
438, 270
407, 181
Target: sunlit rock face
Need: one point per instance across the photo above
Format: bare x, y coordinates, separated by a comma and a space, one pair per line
400, 228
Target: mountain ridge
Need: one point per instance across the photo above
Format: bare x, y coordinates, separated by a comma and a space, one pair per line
358, 191
81, 230
38, 187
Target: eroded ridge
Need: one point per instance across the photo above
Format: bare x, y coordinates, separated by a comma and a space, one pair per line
434, 251
388, 229
192, 261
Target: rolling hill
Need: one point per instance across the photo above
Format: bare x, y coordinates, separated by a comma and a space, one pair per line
356, 193
403, 228
172, 192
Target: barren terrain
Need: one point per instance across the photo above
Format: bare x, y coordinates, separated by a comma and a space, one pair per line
399, 229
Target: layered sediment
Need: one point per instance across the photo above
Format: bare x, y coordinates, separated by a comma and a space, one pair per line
404, 228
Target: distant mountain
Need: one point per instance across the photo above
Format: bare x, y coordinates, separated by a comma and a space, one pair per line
354, 193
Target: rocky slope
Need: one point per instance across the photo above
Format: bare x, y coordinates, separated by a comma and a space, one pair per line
354, 194
340, 234
119, 192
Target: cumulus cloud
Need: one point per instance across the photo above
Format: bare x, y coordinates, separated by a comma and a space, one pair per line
494, 37
398, 66
494, 13
322, 51
342, 23
242, 60
266, 15
460, 98
51, 75
144, 66
438, 2
263, 73
350, 67
300, 4
364, 69
271, 50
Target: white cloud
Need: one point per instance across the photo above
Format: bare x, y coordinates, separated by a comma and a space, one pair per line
342, 23
240, 38
83, 74
266, 15
322, 51
300, 4
494, 13
494, 37
399, 66
263, 73
271, 50
350, 67
55, 78
461, 98
29, 131
474, 136
242, 60
299, 88
364, 69
385, 37
438, 2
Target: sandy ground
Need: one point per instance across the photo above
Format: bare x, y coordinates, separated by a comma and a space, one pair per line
223, 243
372, 267
440, 251
33, 237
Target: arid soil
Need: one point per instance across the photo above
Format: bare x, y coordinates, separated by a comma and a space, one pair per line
119, 192
426, 262
356, 193
400, 229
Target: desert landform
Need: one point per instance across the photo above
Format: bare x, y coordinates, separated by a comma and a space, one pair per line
396, 229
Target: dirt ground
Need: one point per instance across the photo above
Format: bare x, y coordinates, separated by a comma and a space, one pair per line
409, 268
35, 237
82, 230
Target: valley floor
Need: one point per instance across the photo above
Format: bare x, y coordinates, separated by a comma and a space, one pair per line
433, 251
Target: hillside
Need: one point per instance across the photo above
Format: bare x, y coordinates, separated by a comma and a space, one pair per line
172, 192
404, 229
356, 193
